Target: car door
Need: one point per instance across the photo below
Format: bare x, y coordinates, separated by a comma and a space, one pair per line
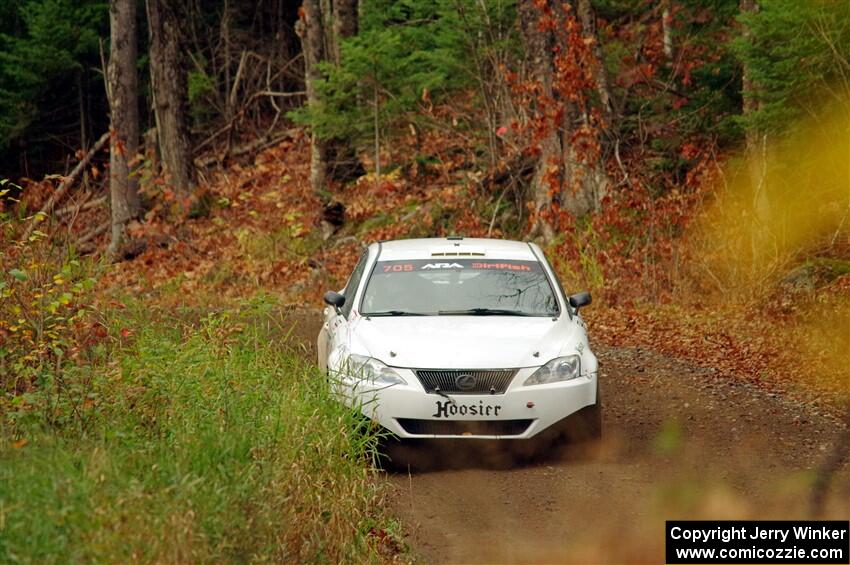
333, 337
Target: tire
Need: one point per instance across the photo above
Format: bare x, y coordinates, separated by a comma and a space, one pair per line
584, 425
392, 454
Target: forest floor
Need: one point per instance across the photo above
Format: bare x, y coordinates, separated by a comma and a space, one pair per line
680, 442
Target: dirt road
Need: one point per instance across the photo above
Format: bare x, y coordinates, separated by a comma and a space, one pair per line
680, 442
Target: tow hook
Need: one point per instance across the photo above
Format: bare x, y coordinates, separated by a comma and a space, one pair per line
444, 395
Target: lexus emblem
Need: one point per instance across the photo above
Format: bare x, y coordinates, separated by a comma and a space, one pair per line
465, 381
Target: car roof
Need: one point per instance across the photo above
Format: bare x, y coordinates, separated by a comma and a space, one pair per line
455, 247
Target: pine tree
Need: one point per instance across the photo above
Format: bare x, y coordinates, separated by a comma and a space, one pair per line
48, 49
797, 56
405, 49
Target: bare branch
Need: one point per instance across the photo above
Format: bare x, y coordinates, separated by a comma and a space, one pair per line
66, 184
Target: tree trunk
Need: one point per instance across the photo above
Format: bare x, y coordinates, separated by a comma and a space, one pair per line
587, 16
344, 164
667, 31
546, 180
224, 32
311, 31
169, 85
345, 24
561, 175
330, 159
593, 175
81, 93
122, 89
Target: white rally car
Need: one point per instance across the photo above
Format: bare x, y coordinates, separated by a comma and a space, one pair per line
461, 338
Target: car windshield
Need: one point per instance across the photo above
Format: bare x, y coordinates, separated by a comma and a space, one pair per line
472, 287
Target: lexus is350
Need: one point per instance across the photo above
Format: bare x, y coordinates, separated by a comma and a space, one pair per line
461, 338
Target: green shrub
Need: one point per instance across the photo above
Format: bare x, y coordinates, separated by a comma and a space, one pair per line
46, 330
212, 442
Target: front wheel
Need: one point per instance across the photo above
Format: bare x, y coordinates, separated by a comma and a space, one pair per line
584, 425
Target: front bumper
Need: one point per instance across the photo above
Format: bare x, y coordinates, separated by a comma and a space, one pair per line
520, 413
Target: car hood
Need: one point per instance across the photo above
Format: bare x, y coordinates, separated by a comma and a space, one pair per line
463, 342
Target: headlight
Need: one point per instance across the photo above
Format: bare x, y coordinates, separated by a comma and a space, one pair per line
556, 370
371, 370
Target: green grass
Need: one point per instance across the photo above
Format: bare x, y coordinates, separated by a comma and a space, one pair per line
202, 442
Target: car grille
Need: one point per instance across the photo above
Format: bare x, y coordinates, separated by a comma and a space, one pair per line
464, 427
459, 381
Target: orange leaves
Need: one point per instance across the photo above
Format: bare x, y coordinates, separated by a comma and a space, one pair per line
547, 21
557, 96
736, 340
118, 146
689, 150
575, 65
262, 228
366, 197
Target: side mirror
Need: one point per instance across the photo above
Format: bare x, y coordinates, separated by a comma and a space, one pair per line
580, 300
334, 299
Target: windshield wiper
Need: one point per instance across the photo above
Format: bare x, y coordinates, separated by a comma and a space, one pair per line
393, 313
484, 312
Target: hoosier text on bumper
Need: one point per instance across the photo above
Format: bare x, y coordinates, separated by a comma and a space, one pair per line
447, 408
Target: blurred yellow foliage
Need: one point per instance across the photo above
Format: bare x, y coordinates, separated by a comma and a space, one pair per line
787, 200
778, 234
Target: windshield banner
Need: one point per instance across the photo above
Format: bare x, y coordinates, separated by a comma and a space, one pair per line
449, 264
